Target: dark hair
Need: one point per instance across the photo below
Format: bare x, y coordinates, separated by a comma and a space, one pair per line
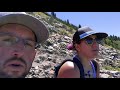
76, 38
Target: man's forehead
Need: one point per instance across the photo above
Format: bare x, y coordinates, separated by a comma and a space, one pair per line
17, 29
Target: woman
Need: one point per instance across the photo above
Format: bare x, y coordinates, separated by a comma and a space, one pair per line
86, 44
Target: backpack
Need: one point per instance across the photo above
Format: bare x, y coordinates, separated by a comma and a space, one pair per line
78, 63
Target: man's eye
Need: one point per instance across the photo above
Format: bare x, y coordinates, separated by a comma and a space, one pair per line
8, 40
30, 44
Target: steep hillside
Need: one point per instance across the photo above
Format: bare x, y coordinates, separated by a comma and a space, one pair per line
54, 51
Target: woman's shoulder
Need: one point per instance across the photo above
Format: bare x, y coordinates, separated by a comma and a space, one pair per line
68, 65
68, 70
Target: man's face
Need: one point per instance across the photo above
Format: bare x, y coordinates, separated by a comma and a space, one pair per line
16, 59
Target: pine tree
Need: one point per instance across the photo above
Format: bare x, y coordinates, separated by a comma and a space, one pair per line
68, 21
79, 26
53, 14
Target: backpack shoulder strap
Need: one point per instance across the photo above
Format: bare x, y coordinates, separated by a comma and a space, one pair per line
95, 64
80, 66
76, 61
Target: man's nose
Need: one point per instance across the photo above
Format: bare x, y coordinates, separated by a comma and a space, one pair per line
19, 45
18, 49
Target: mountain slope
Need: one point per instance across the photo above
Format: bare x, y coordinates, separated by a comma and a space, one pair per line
54, 51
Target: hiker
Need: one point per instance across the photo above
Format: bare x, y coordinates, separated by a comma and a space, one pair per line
20, 34
86, 44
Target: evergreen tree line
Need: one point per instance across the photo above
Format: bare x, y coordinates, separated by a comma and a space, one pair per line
113, 41
66, 22
113, 37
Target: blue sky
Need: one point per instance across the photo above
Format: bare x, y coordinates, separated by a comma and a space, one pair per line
108, 22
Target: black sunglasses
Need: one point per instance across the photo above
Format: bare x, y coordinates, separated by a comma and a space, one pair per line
91, 40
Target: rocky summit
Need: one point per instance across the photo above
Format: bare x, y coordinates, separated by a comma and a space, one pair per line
54, 51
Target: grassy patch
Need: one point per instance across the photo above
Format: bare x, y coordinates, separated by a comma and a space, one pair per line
64, 32
111, 68
41, 14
